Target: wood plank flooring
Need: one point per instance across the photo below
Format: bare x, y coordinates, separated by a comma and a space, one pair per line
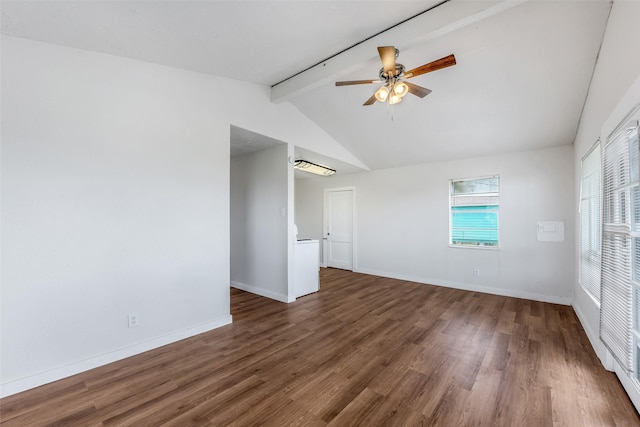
365, 351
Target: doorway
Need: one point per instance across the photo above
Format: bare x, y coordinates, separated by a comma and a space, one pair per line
338, 240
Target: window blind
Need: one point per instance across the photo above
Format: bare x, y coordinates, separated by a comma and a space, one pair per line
590, 222
620, 210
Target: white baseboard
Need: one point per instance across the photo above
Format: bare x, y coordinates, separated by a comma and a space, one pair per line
262, 292
469, 287
17, 386
630, 385
594, 338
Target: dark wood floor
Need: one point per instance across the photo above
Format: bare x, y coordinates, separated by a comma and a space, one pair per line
363, 351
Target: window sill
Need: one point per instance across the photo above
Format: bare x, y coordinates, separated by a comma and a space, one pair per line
482, 248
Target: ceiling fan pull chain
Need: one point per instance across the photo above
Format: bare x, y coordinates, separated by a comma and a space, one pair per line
390, 110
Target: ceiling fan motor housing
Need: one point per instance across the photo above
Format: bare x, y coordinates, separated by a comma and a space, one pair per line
399, 71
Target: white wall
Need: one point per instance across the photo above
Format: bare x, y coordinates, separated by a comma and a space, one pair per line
403, 224
115, 200
259, 238
617, 68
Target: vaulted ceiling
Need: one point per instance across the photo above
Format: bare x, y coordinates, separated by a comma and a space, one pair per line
521, 79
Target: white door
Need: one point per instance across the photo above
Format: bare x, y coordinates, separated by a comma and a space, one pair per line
338, 228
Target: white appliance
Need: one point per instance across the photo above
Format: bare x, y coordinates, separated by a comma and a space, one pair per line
306, 278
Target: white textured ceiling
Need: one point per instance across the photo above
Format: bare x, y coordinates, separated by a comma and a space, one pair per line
522, 76
257, 41
520, 83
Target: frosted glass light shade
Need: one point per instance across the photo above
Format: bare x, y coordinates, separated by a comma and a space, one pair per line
394, 99
400, 89
382, 94
314, 168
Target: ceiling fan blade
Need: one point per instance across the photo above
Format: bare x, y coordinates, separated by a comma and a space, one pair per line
438, 64
371, 100
418, 90
356, 82
388, 58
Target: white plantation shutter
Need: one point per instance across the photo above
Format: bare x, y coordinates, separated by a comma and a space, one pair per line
590, 221
619, 241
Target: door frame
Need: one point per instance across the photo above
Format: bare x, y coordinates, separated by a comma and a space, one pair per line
353, 225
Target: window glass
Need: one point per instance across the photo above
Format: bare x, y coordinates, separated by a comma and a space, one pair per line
474, 206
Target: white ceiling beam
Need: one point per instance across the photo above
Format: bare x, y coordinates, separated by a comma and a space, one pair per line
431, 25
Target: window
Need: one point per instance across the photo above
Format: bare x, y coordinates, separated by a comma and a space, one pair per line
620, 243
474, 207
590, 222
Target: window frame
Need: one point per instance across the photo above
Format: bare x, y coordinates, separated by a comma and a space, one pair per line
496, 211
593, 220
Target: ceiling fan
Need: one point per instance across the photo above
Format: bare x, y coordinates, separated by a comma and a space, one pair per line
394, 77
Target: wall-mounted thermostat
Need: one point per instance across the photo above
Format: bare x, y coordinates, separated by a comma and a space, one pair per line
550, 231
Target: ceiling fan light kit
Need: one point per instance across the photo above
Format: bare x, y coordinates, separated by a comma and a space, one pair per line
394, 77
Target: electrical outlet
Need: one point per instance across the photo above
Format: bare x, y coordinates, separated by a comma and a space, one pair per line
134, 320
476, 272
